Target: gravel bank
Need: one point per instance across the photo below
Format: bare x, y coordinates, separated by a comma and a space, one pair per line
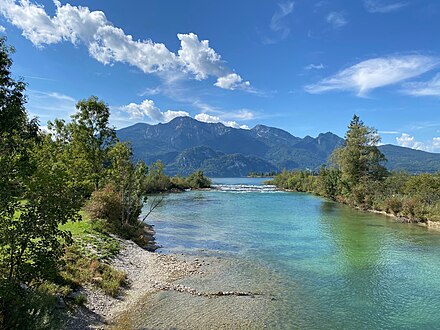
147, 272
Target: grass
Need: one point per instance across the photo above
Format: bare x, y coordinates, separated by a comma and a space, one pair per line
86, 260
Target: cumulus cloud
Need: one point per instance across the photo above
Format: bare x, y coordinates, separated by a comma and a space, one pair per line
109, 44
232, 81
198, 57
428, 88
203, 117
376, 6
374, 73
2, 29
336, 19
406, 140
148, 109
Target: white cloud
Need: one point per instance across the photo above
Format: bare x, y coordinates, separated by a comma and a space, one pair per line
406, 140
242, 114
50, 105
232, 81
375, 73
277, 22
2, 29
312, 66
109, 44
336, 19
53, 95
151, 91
148, 109
377, 6
198, 57
203, 117
428, 88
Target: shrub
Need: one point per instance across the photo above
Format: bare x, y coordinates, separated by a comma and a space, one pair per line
105, 204
411, 208
198, 180
80, 299
393, 205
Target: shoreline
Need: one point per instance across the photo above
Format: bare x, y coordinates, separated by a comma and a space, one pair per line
147, 272
434, 225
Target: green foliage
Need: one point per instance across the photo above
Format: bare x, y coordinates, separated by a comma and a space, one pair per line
35, 196
80, 299
359, 179
262, 174
329, 182
105, 204
156, 180
80, 269
359, 158
85, 142
129, 180
198, 180
22, 308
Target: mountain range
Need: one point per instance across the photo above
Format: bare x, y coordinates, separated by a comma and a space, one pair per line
185, 145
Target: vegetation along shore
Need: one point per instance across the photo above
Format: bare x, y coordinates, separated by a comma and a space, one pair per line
75, 251
71, 198
356, 176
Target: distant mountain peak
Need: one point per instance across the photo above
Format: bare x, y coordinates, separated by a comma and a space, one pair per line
185, 144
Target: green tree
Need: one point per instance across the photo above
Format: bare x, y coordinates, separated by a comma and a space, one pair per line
359, 160
34, 199
129, 180
87, 140
328, 182
32, 242
198, 180
157, 181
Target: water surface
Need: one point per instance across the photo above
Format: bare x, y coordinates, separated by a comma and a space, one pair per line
319, 264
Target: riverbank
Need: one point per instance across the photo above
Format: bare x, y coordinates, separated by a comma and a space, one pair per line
146, 272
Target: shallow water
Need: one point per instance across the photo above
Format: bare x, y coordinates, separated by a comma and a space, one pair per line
318, 264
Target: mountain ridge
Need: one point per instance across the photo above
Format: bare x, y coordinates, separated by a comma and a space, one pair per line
185, 145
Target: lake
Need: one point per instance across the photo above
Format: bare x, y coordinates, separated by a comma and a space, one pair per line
316, 263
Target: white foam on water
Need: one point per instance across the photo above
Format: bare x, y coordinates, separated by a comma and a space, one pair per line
246, 188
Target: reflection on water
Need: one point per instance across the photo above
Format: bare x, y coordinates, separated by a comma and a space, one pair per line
324, 264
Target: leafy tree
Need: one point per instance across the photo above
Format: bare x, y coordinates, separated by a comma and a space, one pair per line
360, 159
31, 241
328, 182
157, 181
198, 180
87, 140
129, 180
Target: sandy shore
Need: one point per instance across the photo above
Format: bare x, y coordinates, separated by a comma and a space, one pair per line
147, 272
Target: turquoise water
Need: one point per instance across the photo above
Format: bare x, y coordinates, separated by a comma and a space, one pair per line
327, 266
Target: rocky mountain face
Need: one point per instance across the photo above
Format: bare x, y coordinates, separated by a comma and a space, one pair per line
185, 145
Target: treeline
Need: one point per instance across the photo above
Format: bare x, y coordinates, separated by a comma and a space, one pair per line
356, 176
262, 174
46, 179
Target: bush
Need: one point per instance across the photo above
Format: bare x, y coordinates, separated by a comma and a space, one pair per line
105, 204
198, 180
411, 208
80, 299
393, 205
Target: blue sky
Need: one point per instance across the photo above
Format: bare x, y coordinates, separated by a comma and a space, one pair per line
305, 66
